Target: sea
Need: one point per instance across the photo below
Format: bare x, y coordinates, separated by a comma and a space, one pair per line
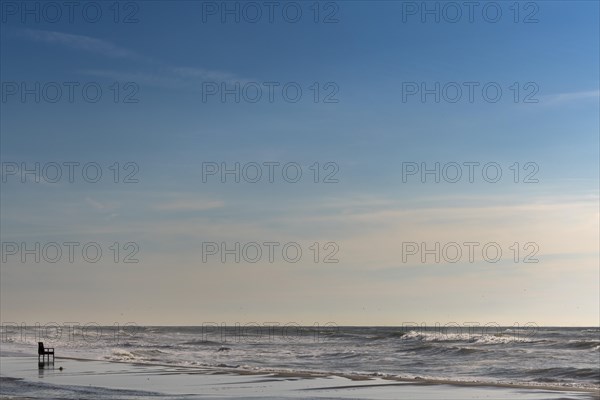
544, 356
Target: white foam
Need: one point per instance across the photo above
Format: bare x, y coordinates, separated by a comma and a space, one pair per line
469, 338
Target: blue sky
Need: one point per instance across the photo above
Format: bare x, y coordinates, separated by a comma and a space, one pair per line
369, 55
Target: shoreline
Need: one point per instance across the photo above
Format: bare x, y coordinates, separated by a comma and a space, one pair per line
80, 373
352, 377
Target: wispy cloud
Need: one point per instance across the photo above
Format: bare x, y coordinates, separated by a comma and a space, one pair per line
106, 209
101, 206
167, 78
81, 42
564, 98
203, 74
156, 73
95, 204
154, 79
189, 205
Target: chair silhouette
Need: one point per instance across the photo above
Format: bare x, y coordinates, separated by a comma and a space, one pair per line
45, 351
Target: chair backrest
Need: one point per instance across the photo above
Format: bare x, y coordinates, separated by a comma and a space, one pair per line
40, 347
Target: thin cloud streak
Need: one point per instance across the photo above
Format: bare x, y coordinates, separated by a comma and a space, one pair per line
83, 43
565, 98
190, 205
165, 76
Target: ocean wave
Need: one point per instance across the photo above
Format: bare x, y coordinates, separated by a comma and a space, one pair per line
201, 343
389, 335
466, 350
557, 374
432, 348
457, 337
149, 354
121, 355
583, 344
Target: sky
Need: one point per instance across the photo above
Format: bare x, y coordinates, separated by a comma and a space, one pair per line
362, 155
